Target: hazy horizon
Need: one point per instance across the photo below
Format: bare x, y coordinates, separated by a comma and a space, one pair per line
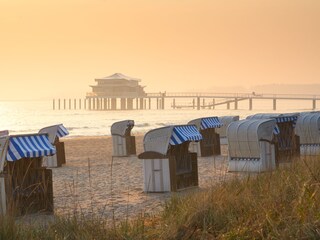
52, 49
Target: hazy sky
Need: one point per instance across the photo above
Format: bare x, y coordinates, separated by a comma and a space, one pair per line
55, 48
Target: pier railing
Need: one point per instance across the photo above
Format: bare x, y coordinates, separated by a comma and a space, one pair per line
235, 95
198, 100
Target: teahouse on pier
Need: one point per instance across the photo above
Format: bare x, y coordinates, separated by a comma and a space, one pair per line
121, 92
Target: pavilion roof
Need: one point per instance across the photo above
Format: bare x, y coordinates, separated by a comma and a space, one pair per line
119, 76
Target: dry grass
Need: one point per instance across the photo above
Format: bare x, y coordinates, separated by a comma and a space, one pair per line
284, 204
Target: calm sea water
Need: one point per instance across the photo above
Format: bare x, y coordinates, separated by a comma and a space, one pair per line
30, 116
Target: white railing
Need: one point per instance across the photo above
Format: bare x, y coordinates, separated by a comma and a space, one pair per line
208, 95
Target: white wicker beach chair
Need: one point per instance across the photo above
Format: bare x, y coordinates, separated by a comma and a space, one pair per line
250, 145
167, 163
222, 131
123, 144
308, 129
287, 143
210, 143
55, 132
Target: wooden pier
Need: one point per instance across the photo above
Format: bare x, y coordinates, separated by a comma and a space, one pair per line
194, 101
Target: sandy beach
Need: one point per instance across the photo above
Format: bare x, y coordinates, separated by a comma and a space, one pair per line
92, 183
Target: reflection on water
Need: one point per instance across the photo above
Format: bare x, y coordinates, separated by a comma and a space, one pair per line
30, 116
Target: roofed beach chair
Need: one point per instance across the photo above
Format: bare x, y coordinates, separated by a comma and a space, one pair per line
308, 129
222, 131
55, 132
287, 142
210, 143
122, 142
251, 148
167, 163
25, 186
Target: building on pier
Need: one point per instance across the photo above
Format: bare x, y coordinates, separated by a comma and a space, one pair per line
117, 85
116, 89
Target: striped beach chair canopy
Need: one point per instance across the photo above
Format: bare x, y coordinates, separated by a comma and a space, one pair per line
206, 122
280, 118
210, 122
159, 139
62, 131
121, 127
55, 131
184, 133
28, 146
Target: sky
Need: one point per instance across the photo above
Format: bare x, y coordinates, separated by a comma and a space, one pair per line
56, 48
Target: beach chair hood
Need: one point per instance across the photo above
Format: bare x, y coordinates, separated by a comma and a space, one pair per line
55, 131
225, 121
244, 136
159, 140
206, 122
280, 118
308, 128
122, 127
17, 147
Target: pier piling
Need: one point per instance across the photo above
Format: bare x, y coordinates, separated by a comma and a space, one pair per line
198, 103
194, 101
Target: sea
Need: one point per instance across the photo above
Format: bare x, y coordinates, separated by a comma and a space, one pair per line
23, 117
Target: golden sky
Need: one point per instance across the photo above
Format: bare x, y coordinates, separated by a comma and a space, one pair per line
55, 48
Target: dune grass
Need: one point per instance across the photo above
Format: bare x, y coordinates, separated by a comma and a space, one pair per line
284, 204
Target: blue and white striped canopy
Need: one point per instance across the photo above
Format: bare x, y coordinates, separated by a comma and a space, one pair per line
62, 131
210, 122
184, 133
27, 146
281, 119
276, 130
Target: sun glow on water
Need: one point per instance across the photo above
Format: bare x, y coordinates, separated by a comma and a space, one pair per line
29, 117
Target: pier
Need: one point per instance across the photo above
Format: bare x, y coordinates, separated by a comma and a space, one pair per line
178, 101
